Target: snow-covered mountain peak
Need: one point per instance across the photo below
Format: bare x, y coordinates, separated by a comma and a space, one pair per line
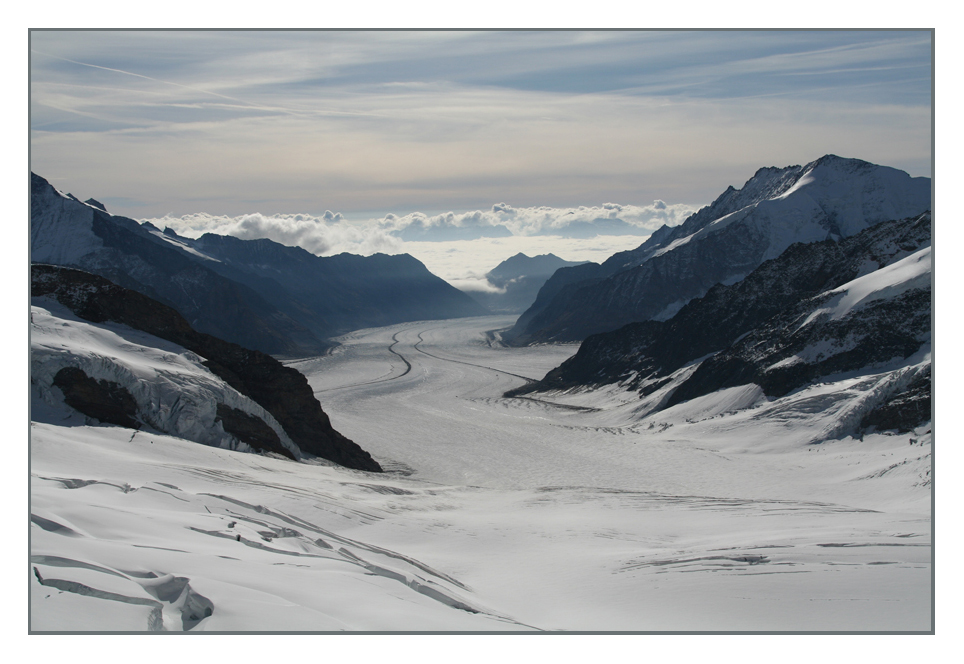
829, 197
838, 197
767, 182
61, 229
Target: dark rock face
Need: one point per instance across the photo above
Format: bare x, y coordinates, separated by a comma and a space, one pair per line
905, 410
251, 430
285, 393
830, 198
754, 332
881, 331
103, 400
561, 285
641, 293
281, 390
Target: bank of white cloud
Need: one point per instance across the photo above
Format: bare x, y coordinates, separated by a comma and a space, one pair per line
330, 233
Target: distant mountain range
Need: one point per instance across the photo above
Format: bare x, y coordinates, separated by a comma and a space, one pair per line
857, 308
518, 279
257, 293
830, 198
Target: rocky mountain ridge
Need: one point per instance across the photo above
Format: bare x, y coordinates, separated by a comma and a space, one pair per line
830, 198
65, 231
819, 309
335, 294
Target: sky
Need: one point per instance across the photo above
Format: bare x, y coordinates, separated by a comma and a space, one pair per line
367, 123
339, 140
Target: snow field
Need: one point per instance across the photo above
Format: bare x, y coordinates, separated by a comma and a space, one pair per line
564, 512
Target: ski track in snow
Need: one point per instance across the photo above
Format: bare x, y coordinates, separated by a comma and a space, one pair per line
567, 512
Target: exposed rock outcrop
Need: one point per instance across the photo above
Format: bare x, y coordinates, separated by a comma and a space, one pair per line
250, 430
103, 400
905, 409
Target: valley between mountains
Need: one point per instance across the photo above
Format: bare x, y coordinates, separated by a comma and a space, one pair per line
749, 450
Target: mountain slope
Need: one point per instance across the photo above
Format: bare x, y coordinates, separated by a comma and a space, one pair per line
235, 387
257, 293
335, 294
818, 309
830, 198
65, 231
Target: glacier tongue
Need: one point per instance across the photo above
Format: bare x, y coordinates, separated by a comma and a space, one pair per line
175, 393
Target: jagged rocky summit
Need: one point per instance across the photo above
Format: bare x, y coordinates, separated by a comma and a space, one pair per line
256, 293
860, 305
830, 198
196, 386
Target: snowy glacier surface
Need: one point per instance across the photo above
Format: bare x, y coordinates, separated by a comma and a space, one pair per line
558, 512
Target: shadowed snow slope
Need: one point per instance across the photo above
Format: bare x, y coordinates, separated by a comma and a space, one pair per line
567, 512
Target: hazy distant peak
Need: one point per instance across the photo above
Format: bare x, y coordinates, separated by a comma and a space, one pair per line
522, 265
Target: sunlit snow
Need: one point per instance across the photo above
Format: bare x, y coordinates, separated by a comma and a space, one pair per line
559, 512
890, 281
183, 246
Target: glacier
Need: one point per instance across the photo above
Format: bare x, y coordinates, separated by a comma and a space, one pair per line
175, 393
562, 512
